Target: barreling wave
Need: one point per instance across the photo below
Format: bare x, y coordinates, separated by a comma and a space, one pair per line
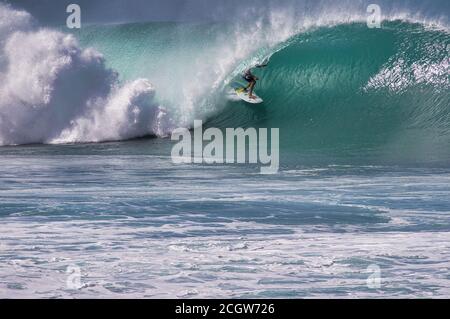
351, 86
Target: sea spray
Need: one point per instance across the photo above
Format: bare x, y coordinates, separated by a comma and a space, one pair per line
53, 91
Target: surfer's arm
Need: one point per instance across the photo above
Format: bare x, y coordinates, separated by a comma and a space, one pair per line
249, 70
263, 64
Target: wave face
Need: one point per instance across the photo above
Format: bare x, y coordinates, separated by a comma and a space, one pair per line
332, 82
350, 86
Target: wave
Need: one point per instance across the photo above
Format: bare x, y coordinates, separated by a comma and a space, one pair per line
348, 85
52, 91
332, 82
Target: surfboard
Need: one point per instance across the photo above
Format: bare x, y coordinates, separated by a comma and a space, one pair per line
243, 95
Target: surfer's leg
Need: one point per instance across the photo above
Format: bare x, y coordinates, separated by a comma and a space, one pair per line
248, 85
252, 87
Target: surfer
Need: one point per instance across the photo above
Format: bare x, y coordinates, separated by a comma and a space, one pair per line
251, 79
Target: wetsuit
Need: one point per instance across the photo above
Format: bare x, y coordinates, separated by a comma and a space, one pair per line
248, 76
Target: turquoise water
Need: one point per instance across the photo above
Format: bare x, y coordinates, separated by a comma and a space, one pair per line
341, 90
364, 177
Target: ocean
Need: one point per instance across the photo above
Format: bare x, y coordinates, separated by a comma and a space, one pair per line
93, 206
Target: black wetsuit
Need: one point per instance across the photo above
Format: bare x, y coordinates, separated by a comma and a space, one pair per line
248, 76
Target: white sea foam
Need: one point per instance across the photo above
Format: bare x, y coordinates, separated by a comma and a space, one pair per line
52, 91
116, 262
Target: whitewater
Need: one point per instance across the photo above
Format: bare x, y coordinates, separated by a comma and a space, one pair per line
87, 183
